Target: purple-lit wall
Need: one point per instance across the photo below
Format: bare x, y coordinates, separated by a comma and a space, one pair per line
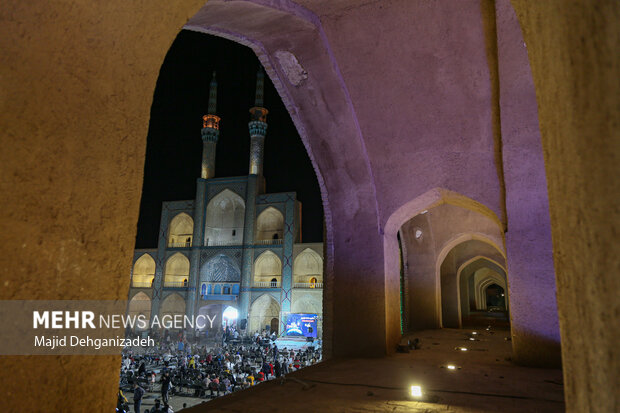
387, 114
531, 274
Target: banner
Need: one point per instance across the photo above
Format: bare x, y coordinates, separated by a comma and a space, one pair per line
301, 325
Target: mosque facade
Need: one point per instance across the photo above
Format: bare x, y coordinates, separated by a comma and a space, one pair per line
234, 251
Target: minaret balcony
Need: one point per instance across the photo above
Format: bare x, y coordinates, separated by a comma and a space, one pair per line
257, 128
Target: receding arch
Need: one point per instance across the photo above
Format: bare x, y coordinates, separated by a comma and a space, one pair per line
176, 271
225, 219
457, 251
482, 282
181, 231
270, 224
267, 267
140, 306
308, 265
172, 305
143, 271
262, 311
424, 309
469, 293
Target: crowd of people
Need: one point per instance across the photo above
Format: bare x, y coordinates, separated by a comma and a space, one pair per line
181, 366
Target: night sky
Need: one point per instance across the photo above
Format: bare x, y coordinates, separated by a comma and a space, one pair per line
174, 145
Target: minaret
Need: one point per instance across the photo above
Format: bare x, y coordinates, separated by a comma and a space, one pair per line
210, 133
258, 127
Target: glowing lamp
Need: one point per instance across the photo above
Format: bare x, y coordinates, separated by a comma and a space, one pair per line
416, 391
451, 367
474, 332
230, 313
463, 348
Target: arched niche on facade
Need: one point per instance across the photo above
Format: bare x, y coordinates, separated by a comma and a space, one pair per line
264, 309
180, 231
308, 267
270, 225
307, 304
143, 271
172, 305
176, 271
225, 219
266, 268
455, 254
140, 305
220, 268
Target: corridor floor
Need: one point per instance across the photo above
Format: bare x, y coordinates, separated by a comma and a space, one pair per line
483, 380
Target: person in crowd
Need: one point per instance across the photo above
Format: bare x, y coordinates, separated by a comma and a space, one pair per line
211, 369
121, 400
138, 393
165, 386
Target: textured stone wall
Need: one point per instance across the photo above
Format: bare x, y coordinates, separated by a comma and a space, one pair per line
573, 50
77, 80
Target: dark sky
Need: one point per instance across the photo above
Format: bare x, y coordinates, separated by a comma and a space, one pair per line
174, 145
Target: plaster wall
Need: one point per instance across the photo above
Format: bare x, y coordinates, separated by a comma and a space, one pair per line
573, 51
77, 81
534, 316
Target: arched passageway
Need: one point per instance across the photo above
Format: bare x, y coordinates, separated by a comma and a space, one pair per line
455, 287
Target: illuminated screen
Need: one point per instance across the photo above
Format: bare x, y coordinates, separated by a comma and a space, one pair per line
301, 325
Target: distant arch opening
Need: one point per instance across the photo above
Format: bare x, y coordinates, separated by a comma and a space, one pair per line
143, 272
173, 305
308, 269
181, 231
140, 306
267, 268
225, 219
176, 272
270, 225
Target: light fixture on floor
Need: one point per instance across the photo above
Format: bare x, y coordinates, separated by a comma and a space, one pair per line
462, 348
416, 391
451, 367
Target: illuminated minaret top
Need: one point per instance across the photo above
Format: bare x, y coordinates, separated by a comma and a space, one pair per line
210, 133
258, 126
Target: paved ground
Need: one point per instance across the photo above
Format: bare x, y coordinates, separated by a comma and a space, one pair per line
484, 380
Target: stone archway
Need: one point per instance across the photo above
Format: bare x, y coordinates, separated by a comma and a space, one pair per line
262, 311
